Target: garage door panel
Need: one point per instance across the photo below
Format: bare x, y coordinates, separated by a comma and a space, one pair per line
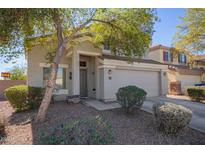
149, 81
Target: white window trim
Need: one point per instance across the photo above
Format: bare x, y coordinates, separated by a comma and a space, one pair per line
60, 91
169, 56
48, 65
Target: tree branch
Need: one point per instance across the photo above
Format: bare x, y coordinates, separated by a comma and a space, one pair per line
106, 22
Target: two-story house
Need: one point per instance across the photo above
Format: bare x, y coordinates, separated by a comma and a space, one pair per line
184, 69
88, 71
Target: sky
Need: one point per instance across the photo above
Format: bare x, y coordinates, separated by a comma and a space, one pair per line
166, 28
164, 32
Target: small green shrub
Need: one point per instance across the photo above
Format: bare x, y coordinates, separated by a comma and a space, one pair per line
130, 97
196, 93
171, 118
35, 96
17, 96
22, 97
88, 131
2, 129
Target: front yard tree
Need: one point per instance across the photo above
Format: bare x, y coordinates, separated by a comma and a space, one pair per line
18, 73
125, 30
191, 35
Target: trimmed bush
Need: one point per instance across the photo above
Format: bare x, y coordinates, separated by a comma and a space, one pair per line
17, 96
171, 118
130, 97
89, 131
196, 93
22, 97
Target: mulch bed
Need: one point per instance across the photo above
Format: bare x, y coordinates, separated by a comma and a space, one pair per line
136, 128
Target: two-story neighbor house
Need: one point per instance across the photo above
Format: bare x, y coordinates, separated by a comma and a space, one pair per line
95, 73
181, 72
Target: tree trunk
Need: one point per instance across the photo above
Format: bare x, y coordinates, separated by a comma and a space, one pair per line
54, 68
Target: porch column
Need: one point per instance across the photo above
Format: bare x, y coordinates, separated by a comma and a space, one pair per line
97, 77
75, 72
163, 82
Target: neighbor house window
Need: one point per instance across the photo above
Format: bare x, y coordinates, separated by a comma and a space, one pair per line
166, 56
60, 79
182, 58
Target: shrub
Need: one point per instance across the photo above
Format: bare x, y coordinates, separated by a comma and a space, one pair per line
171, 118
23, 98
92, 130
17, 96
2, 129
196, 93
130, 97
35, 96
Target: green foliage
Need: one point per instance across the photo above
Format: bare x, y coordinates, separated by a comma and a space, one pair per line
35, 96
171, 118
196, 93
18, 73
88, 131
130, 97
191, 31
24, 98
129, 32
2, 129
17, 96
126, 30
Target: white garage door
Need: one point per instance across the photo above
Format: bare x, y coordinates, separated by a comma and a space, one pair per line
147, 80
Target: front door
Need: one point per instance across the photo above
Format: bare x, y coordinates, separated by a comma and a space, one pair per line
83, 83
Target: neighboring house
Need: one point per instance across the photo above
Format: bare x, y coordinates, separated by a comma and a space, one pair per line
181, 72
200, 61
95, 73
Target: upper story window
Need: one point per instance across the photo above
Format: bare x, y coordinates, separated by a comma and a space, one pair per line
167, 56
83, 64
182, 58
60, 79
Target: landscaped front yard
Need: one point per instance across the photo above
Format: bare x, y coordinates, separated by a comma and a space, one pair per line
136, 128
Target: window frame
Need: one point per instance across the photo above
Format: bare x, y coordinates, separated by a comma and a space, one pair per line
166, 56
182, 58
64, 77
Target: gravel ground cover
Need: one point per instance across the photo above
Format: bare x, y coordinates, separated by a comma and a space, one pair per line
135, 128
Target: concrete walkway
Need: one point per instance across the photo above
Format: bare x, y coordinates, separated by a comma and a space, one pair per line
198, 109
98, 105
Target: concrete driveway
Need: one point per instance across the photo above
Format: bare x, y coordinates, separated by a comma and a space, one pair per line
198, 109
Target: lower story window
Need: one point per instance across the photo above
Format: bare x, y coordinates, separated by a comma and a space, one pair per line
60, 79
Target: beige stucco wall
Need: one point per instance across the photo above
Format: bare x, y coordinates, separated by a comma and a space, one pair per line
186, 80
35, 57
155, 55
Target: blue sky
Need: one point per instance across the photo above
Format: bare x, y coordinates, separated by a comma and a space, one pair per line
166, 28
164, 32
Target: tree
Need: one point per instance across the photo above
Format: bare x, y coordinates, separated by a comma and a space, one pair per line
18, 73
191, 35
125, 30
